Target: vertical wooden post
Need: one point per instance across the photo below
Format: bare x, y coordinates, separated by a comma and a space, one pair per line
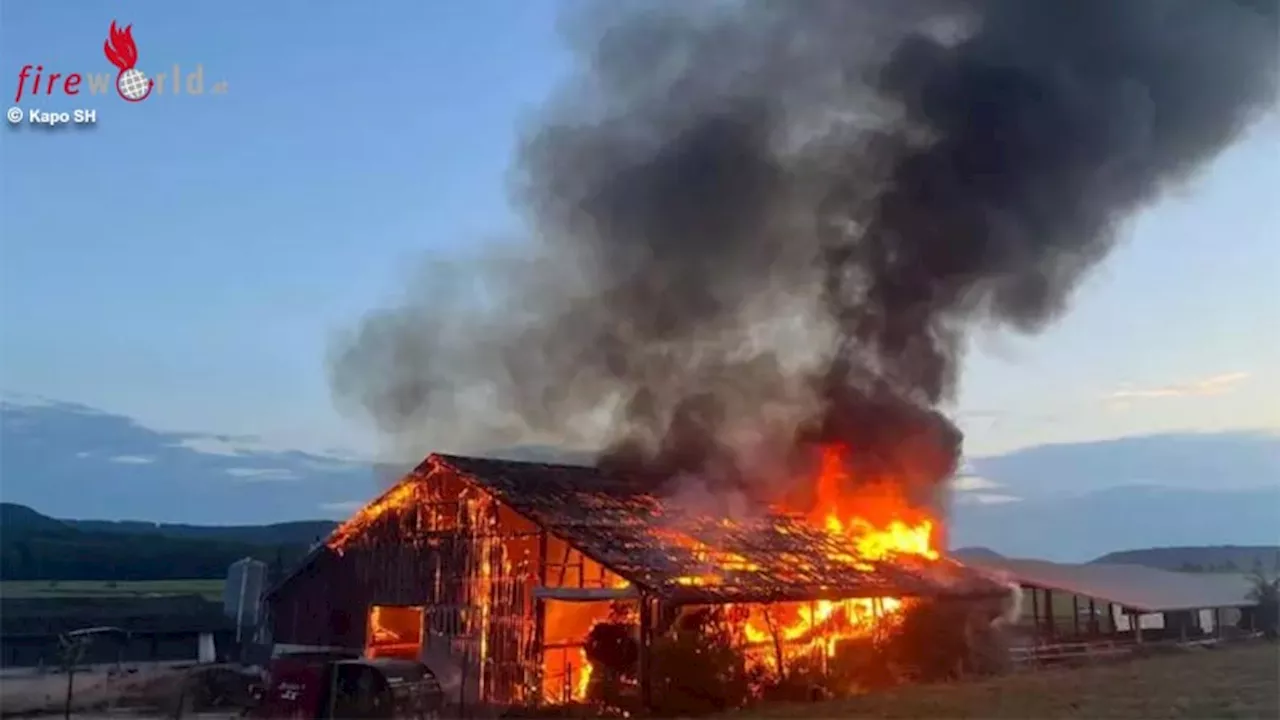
644, 673
1035, 611
1217, 622
1136, 621
1050, 620
539, 658
1093, 618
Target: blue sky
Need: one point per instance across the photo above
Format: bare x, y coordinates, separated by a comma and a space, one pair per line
187, 261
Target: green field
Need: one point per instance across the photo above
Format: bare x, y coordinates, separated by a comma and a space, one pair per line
211, 589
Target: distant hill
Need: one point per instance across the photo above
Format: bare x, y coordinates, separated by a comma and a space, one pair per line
302, 532
1225, 558
36, 547
976, 553
16, 518
20, 520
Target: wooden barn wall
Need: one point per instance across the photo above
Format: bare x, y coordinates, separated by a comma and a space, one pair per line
320, 605
466, 558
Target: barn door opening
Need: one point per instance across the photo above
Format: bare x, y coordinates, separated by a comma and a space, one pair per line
394, 631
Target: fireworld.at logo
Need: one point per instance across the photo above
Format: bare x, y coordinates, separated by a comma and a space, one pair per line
130, 83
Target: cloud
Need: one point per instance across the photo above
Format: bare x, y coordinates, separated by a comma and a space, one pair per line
987, 499
1204, 387
226, 445
251, 474
133, 459
972, 483
331, 465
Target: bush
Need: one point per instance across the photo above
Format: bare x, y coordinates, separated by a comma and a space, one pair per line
614, 654
698, 669
861, 665
945, 640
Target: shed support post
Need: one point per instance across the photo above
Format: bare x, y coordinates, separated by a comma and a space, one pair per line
644, 673
1035, 611
540, 622
1050, 622
1135, 620
1075, 615
1217, 622
1093, 618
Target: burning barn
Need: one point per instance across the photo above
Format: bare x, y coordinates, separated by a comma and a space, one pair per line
495, 573
760, 239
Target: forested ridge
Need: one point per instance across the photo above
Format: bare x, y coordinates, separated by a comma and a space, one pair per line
36, 547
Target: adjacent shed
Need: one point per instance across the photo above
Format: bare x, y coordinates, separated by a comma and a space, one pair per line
162, 628
482, 567
1068, 601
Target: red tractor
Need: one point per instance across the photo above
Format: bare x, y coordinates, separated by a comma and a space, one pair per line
325, 686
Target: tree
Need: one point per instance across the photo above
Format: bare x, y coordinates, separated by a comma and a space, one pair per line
1266, 593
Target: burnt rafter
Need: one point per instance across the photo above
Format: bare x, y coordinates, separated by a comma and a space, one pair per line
689, 559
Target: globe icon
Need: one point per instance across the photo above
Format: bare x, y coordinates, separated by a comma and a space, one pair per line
132, 84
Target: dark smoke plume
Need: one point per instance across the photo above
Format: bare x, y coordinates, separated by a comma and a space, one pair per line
756, 225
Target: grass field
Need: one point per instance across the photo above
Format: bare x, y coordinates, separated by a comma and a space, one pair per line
211, 589
1241, 682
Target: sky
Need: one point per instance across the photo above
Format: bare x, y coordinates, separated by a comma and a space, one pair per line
187, 260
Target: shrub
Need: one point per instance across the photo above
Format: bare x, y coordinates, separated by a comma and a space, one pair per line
947, 639
614, 654
861, 665
698, 669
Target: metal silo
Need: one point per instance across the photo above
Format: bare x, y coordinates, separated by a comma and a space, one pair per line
242, 594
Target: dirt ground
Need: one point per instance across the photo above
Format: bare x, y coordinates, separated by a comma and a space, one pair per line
28, 693
1241, 682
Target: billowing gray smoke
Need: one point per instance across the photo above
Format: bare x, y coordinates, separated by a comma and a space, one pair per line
759, 225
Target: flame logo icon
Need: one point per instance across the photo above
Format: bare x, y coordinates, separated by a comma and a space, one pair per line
131, 83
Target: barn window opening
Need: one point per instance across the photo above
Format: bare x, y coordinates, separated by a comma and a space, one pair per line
394, 631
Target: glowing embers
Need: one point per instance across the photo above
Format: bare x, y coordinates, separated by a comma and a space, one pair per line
807, 627
394, 631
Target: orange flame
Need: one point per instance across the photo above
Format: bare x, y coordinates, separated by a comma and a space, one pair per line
873, 523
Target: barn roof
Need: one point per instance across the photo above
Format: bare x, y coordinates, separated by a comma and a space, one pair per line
655, 545
1137, 587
